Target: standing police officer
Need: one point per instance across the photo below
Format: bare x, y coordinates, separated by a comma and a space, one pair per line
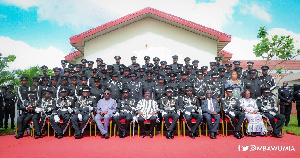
285, 94
10, 99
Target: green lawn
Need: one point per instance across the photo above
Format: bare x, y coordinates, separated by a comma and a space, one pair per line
8, 131
293, 126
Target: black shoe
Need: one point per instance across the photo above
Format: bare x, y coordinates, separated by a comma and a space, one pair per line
79, 136
215, 135
237, 135
212, 135
241, 135
61, 136
287, 125
151, 135
172, 135
18, 136
278, 135
192, 135
169, 135
103, 136
143, 135
122, 135
106, 136
56, 135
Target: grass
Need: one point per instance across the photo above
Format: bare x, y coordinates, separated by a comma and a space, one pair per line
8, 131
293, 126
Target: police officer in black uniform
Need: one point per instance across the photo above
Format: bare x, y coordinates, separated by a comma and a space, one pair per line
169, 108
133, 62
190, 108
22, 91
199, 86
246, 74
117, 64
266, 105
28, 109
71, 89
149, 84
297, 100
218, 64
228, 71
216, 87
97, 90
175, 64
253, 84
173, 83
10, 99
47, 105
115, 87
285, 94
183, 83
267, 80
195, 66
159, 89
84, 106
80, 86
233, 110
125, 110
126, 78
3, 91
135, 88
64, 107
147, 61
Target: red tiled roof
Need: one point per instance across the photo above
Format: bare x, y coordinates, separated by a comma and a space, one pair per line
286, 65
225, 54
222, 37
71, 56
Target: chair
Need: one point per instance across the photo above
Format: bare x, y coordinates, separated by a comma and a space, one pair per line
213, 120
266, 123
170, 120
227, 120
146, 122
31, 131
183, 126
60, 122
122, 121
102, 121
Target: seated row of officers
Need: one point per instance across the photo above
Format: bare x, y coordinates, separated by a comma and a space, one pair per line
85, 107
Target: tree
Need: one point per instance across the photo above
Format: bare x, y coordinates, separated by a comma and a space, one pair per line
280, 47
6, 75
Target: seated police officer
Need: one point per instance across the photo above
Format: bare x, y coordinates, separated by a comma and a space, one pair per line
125, 110
28, 109
232, 109
64, 108
169, 109
84, 106
266, 105
190, 107
48, 105
210, 108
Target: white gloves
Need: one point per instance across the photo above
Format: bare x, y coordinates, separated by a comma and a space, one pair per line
91, 108
272, 113
163, 113
178, 112
187, 113
70, 110
134, 119
49, 109
116, 114
38, 110
276, 109
80, 117
231, 113
56, 118
193, 110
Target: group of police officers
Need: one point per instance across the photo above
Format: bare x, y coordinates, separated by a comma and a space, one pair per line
180, 90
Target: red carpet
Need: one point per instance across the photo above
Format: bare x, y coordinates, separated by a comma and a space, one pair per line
146, 147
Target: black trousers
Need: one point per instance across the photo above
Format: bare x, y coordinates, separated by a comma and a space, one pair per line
174, 116
43, 120
1, 116
276, 127
212, 127
22, 122
142, 124
128, 118
65, 115
188, 119
238, 115
35, 119
286, 111
75, 120
9, 111
298, 112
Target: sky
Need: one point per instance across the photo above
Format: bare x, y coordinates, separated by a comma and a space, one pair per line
38, 31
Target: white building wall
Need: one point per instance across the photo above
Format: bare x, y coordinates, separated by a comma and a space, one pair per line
152, 38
